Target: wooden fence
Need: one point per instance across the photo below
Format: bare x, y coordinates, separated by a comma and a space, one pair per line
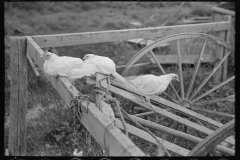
111, 138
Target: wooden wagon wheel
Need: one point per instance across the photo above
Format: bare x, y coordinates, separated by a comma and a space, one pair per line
209, 143
191, 99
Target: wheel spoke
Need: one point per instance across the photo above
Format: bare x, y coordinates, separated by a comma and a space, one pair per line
215, 112
214, 101
180, 69
206, 79
196, 70
160, 66
213, 89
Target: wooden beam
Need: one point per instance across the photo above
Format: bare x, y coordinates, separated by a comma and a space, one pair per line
18, 96
144, 135
225, 63
223, 11
103, 129
121, 35
177, 133
33, 66
218, 54
100, 126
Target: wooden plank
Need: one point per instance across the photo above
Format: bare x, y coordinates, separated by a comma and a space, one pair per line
97, 124
218, 55
33, 66
191, 21
177, 133
144, 135
225, 63
223, 11
116, 143
186, 59
138, 100
121, 35
18, 97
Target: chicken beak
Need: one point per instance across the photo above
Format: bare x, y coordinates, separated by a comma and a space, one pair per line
178, 79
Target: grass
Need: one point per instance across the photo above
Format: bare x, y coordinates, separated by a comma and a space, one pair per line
50, 121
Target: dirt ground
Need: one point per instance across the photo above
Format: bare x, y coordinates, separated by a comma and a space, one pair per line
43, 18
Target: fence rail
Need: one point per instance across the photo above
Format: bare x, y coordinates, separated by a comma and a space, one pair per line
70, 39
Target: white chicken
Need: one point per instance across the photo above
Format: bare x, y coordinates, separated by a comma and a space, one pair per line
64, 66
104, 65
149, 85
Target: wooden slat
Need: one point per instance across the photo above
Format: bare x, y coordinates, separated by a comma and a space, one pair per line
33, 66
173, 59
144, 135
223, 11
177, 133
18, 97
218, 50
225, 64
115, 141
121, 35
137, 99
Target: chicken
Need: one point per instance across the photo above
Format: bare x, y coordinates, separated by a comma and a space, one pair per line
149, 85
64, 66
104, 65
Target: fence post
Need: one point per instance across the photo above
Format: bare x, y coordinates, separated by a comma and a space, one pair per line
217, 17
225, 63
18, 96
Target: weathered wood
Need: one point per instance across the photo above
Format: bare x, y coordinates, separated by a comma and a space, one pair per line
222, 10
219, 50
18, 97
173, 59
177, 133
213, 139
215, 112
137, 99
109, 137
121, 35
144, 135
225, 63
33, 66
100, 126
180, 70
